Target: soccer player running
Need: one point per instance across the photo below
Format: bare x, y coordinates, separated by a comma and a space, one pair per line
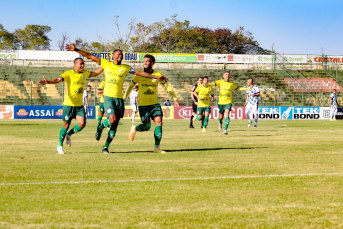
113, 96
134, 102
251, 105
334, 105
225, 87
101, 102
203, 93
75, 80
195, 103
149, 108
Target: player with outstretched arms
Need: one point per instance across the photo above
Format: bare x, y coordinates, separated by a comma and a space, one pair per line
75, 80
251, 105
149, 108
116, 73
195, 103
134, 102
203, 93
225, 87
334, 105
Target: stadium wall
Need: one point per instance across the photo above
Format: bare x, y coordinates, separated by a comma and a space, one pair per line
170, 112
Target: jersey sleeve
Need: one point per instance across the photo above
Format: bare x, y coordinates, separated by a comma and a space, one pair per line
130, 69
103, 63
234, 86
257, 90
217, 83
197, 90
135, 79
102, 85
65, 76
331, 95
211, 91
193, 88
87, 74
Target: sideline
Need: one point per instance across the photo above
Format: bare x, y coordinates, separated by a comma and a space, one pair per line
172, 179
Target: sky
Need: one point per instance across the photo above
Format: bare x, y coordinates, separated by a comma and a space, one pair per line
291, 27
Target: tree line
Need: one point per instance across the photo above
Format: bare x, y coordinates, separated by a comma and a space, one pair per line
168, 36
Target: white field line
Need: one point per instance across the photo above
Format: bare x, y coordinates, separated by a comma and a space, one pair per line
172, 179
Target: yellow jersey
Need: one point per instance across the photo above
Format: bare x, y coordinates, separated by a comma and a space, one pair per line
101, 87
147, 92
204, 93
225, 91
115, 76
76, 83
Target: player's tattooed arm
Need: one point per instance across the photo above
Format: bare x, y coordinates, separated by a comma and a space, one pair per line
83, 53
53, 81
147, 75
97, 72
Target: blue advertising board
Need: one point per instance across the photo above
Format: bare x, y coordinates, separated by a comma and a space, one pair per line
44, 112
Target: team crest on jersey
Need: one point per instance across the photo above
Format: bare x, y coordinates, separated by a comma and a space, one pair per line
121, 70
66, 118
108, 110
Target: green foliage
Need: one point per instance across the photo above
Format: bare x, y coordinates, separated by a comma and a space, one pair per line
7, 39
33, 37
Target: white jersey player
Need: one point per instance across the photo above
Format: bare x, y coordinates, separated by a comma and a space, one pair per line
134, 102
334, 105
251, 105
85, 100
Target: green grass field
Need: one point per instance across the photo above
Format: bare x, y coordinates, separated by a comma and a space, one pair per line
284, 174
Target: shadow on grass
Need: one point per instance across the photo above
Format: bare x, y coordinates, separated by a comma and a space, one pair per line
193, 150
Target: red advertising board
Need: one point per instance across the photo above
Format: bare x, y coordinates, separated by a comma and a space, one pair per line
186, 113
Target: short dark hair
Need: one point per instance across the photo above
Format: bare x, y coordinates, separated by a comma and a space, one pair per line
116, 50
78, 58
137, 86
89, 85
334, 90
205, 77
151, 57
227, 72
199, 78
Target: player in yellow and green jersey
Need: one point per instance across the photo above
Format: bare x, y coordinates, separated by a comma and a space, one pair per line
113, 97
149, 108
225, 87
101, 103
73, 102
203, 93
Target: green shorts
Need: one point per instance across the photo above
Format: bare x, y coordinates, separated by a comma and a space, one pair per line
114, 106
200, 110
70, 112
222, 108
150, 112
101, 107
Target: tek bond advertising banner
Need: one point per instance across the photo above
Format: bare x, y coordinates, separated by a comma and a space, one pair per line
171, 57
45, 112
6, 112
185, 112
127, 56
168, 112
294, 113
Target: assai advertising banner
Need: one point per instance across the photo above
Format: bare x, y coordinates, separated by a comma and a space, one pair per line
127, 56
185, 112
171, 57
44, 112
6, 112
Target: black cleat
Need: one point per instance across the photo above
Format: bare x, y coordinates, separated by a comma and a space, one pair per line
98, 133
191, 126
105, 151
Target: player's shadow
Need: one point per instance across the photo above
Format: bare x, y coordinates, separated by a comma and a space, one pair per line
194, 150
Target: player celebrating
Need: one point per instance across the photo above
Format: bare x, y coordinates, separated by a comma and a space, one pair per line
225, 87
203, 93
195, 103
334, 102
101, 102
251, 105
149, 108
73, 105
134, 102
113, 96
